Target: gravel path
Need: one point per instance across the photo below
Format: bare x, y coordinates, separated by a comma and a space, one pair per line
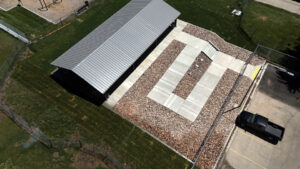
193, 75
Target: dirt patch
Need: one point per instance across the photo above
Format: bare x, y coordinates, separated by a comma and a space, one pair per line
263, 18
56, 11
26, 54
8, 4
76, 135
86, 161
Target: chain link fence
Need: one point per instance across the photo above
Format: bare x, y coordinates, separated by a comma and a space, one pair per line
61, 143
278, 58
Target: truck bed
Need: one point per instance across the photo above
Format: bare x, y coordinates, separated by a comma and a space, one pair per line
277, 132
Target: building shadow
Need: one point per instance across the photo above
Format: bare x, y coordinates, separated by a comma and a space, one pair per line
258, 134
76, 85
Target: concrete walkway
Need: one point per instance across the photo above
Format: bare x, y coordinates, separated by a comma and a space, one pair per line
287, 5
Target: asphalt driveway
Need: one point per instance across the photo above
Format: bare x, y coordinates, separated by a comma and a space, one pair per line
277, 98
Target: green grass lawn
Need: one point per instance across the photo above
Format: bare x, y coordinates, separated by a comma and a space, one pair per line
265, 24
32, 25
9, 46
13, 155
272, 27
45, 104
214, 15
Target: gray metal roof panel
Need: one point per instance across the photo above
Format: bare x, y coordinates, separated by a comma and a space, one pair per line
102, 64
72, 57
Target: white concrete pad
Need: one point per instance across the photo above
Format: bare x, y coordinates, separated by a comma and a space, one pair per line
174, 102
181, 24
223, 59
199, 97
188, 114
236, 65
192, 107
216, 69
209, 80
172, 77
197, 43
249, 71
179, 67
165, 86
190, 51
158, 95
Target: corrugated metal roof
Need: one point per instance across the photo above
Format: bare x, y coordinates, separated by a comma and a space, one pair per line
107, 52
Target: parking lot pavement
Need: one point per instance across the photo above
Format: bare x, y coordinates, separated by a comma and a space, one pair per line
275, 100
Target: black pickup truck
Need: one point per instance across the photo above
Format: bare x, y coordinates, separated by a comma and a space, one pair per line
260, 124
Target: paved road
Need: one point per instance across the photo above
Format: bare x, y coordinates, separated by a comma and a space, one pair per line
288, 5
277, 101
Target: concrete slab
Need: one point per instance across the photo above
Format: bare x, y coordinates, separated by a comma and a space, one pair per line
172, 77
191, 107
200, 95
240, 161
165, 86
216, 69
179, 67
288, 5
197, 43
236, 65
158, 95
181, 24
250, 69
209, 80
174, 102
186, 113
252, 145
190, 51
223, 59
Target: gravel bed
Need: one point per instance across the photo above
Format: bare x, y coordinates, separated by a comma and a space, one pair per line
234, 106
176, 131
215, 144
225, 125
192, 76
184, 136
221, 44
257, 60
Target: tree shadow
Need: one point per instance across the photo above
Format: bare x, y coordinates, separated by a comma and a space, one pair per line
289, 78
294, 63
